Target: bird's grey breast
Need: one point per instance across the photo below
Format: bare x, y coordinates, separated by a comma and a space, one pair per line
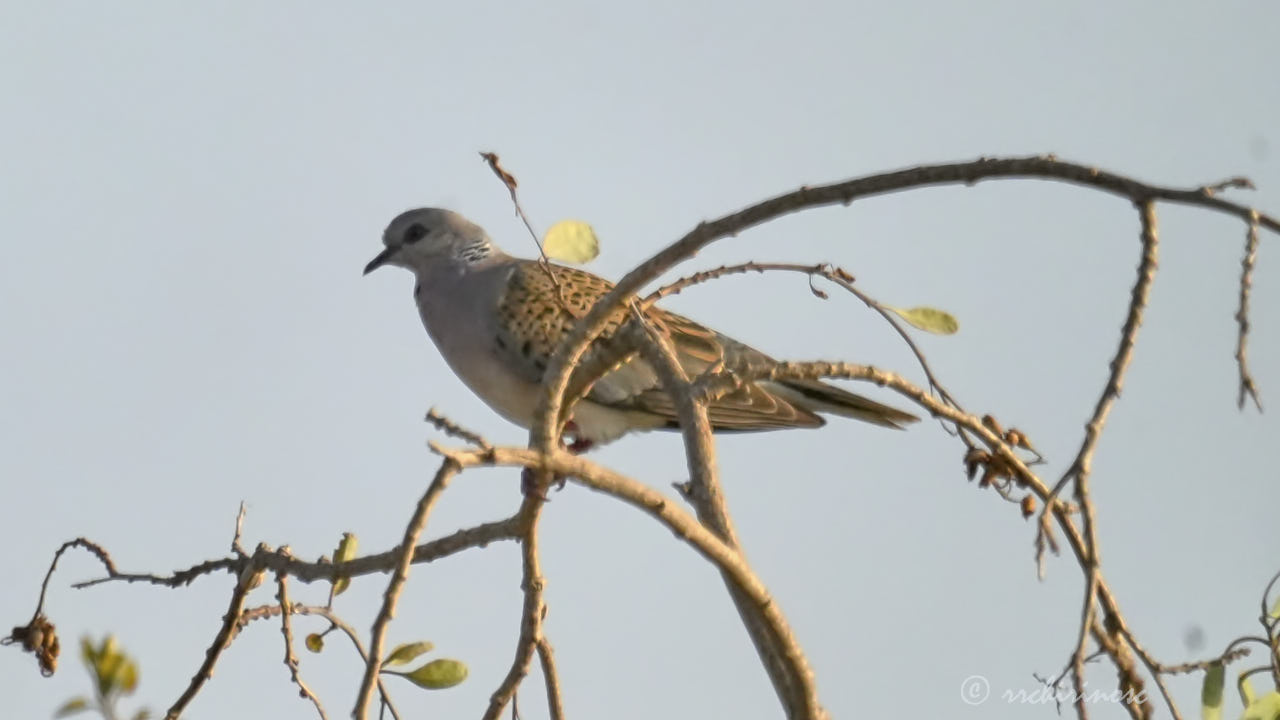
459, 313
457, 309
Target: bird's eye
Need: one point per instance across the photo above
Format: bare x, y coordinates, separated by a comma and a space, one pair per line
414, 233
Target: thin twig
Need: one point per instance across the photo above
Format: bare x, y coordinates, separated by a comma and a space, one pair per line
236, 547
550, 678
1247, 386
450, 427
417, 522
1082, 465
220, 642
1153, 668
532, 611
1235, 183
509, 180
291, 658
477, 536
267, 611
1231, 655
97, 550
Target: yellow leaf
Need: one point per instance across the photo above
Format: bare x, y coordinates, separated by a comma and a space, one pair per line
108, 671
345, 552
928, 319
127, 675
571, 241
1266, 708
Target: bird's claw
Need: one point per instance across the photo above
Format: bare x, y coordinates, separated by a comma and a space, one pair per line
529, 488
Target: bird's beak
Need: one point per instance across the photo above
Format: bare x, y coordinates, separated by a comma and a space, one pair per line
380, 260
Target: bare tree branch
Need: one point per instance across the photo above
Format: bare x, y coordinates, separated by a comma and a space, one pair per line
638, 495
551, 678
291, 658
266, 611
220, 641
473, 537
543, 432
711, 534
533, 609
449, 427
417, 523
774, 641
1082, 465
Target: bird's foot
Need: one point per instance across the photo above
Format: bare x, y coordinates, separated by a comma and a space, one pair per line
577, 446
528, 487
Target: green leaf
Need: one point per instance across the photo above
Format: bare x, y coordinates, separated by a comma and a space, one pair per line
572, 241
405, 654
314, 642
938, 322
1211, 692
437, 674
88, 653
1275, 609
345, 552
1266, 708
71, 707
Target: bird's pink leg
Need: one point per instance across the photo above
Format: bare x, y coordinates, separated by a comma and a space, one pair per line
579, 444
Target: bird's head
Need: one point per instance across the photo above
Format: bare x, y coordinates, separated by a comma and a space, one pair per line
418, 239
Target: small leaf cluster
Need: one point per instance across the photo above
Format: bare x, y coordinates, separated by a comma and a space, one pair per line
114, 675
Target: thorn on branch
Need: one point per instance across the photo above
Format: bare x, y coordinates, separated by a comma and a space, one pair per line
449, 427
236, 547
1235, 183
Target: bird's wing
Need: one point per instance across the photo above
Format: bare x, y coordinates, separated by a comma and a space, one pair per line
535, 314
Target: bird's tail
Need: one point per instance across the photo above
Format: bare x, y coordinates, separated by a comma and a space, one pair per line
818, 396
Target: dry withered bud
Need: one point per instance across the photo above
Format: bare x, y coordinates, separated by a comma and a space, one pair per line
40, 638
973, 459
507, 178
993, 425
1028, 506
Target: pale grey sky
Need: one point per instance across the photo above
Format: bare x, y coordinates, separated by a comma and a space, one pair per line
190, 191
